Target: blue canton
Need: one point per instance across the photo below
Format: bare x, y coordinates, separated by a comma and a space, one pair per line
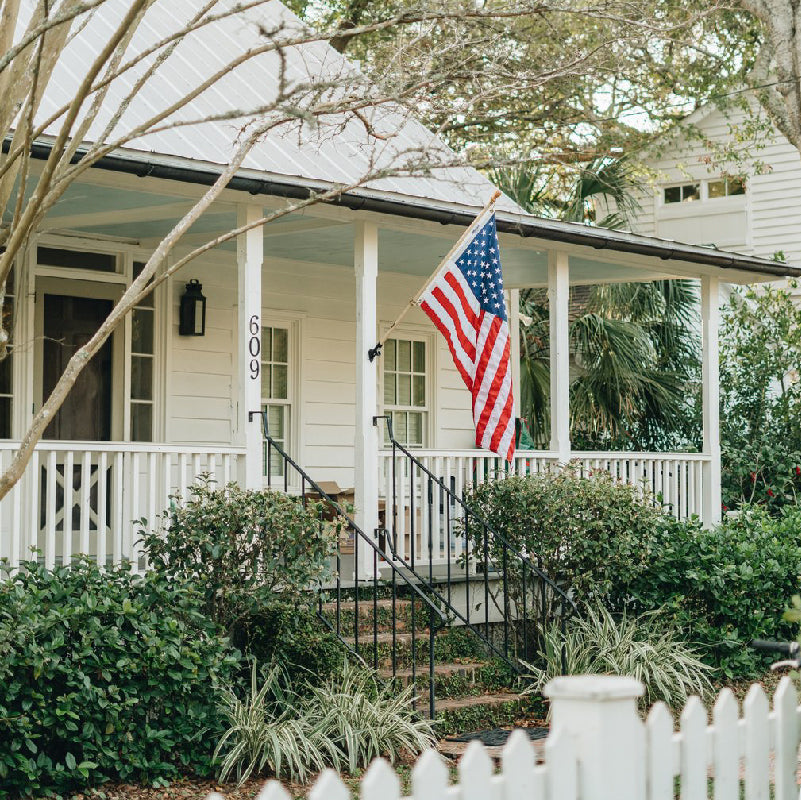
480, 263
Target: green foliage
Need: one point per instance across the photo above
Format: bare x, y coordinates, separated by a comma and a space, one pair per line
642, 647
105, 676
240, 547
344, 723
760, 350
724, 586
591, 534
290, 634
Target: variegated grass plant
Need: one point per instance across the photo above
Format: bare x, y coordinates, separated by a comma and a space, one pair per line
641, 647
344, 723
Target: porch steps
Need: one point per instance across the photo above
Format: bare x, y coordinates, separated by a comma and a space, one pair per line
467, 670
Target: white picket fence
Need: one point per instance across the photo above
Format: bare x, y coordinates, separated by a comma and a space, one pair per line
600, 749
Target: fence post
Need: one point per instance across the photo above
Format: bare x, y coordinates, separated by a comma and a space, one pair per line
599, 713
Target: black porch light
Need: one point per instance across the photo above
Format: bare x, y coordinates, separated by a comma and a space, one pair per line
192, 316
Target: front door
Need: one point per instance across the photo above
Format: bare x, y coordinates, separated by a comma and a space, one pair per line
69, 323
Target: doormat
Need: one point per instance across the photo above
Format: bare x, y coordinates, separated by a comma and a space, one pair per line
497, 737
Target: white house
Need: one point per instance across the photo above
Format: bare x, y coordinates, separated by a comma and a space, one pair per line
291, 312
725, 182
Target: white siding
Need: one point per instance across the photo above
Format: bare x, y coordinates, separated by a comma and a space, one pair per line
320, 300
766, 220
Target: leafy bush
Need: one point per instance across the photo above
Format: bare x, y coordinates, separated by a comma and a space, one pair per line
105, 676
344, 723
641, 647
760, 349
240, 547
723, 586
290, 634
591, 533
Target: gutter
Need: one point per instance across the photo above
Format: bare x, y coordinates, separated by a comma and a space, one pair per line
523, 226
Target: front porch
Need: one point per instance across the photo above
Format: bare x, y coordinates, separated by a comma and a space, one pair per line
291, 313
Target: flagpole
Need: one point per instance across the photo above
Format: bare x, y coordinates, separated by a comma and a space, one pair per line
376, 351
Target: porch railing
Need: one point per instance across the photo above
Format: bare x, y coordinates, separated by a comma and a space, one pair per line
674, 479
84, 497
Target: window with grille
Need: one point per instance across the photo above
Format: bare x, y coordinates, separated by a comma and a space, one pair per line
276, 394
683, 194
142, 365
406, 390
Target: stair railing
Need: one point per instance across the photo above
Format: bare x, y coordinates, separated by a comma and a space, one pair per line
513, 583
367, 587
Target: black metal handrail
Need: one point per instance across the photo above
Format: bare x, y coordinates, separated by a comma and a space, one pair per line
366, 590
491, 542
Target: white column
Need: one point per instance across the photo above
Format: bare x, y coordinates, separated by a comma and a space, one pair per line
513, 306
710, 319
558, 303
366, 450
249, 259
600, 714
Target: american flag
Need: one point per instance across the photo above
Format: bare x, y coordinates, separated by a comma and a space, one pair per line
465, 301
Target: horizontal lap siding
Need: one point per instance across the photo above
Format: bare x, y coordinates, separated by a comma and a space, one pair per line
773, 217
202, 383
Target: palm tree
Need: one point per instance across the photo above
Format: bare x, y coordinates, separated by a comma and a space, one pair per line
634, 346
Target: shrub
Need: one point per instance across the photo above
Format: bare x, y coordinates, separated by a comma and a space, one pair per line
290, 634
344, 723
105, 676
590, 533
641, 647
724, 586
240, 547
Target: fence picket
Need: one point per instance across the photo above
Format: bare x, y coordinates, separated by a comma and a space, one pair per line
329, 786
725, 759
380, 782
786, 747
562, 776
757, 744
693, 751
429, 778
273, 790
658, 768
518, 766
475, 772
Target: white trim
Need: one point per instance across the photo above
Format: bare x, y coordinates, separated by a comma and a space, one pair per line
558, 308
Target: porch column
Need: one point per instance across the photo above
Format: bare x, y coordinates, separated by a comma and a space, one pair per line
710, 318
558, 303
366, 451
513, 302
249, 259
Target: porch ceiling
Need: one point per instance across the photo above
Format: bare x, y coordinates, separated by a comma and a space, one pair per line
406, 247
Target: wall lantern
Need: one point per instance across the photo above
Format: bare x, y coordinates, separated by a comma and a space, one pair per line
192, 318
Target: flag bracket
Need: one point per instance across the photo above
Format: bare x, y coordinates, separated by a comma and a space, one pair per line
374, 352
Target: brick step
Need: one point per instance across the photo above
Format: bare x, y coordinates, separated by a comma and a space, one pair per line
385, 637
477, 703
366, 606
404, 676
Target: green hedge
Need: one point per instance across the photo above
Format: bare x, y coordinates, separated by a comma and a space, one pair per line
105, 676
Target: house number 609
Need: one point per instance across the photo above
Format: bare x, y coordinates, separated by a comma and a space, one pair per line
254, 347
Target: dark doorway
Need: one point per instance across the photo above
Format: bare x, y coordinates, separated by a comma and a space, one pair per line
69, 323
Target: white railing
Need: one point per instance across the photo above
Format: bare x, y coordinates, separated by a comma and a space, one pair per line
600, 749
676, 479
77, 497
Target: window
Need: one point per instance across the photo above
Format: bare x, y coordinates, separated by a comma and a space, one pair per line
54, 257
276, 392
725, 187
405, 390
142, 366
683, 194
6, 365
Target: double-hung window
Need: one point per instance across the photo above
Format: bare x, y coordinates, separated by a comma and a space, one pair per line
276, 392
406, 390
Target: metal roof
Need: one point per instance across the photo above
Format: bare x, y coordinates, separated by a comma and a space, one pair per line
333, 150
295, 159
